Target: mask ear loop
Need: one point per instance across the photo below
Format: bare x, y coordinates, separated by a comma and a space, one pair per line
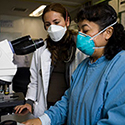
103, 30
66, 17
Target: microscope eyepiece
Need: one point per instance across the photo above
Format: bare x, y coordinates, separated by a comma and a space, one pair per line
26, 45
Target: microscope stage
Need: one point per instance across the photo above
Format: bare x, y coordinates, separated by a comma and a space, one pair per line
11, 99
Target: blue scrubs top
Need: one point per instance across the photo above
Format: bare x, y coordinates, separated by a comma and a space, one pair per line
96, 95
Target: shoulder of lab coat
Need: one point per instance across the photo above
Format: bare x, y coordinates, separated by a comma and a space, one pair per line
39, 69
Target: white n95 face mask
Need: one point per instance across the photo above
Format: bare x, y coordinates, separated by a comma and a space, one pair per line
56, 32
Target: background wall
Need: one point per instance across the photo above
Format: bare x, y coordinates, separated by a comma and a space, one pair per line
114, 4
12, 27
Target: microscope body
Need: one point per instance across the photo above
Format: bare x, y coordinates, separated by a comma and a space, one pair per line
7, 67
20, 46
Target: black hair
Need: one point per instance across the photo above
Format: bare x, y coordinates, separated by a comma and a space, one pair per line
104, 15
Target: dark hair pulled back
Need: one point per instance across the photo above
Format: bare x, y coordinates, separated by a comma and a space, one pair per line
104, 15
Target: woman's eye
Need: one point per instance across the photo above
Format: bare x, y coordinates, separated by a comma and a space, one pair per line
85, 31
56, 23
47, 25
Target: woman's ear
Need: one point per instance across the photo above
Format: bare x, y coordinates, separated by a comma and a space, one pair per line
108, 33
68, 22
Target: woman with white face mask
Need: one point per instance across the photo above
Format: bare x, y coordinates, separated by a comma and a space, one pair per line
50, 67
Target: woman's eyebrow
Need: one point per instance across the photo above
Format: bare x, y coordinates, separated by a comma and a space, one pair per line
55, 20
84, 26
46, 22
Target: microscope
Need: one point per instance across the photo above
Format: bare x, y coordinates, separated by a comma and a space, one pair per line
20, 46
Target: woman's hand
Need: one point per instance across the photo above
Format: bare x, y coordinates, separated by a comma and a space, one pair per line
20, 108
36, 121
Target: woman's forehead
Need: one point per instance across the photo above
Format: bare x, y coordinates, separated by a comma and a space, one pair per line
52, 15
86, 23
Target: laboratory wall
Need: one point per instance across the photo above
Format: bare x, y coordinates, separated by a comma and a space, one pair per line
119, 6
114, 4
122, 11
12, 27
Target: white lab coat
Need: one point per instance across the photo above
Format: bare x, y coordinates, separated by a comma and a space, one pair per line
38, 88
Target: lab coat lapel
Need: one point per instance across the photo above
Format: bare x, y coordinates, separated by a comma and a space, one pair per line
45, 68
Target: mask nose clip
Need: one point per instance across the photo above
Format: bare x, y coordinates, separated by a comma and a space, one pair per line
82, 34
